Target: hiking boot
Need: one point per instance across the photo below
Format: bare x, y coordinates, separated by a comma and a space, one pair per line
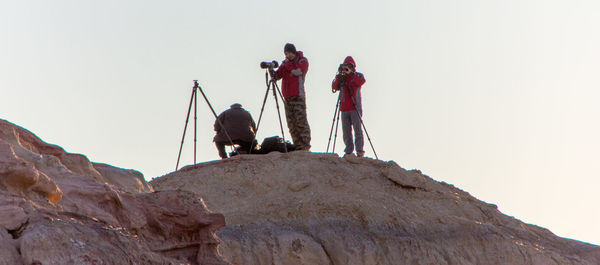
301, 148
360, 153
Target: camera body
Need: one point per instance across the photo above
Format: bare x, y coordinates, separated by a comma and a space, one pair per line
269, 65
341, 74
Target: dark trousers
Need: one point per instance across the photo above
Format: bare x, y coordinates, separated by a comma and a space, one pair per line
245, 146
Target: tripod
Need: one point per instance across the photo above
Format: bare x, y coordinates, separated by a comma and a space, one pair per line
272, 84
194, 101
337, 114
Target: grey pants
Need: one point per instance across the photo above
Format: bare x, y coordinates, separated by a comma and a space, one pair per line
350, 120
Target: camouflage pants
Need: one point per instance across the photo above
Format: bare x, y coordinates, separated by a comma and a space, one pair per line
295, 112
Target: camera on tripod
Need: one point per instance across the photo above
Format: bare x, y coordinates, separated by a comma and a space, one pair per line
269, 65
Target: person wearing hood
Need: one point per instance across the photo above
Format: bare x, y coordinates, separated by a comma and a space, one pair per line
293, 73
239, 125
349, 83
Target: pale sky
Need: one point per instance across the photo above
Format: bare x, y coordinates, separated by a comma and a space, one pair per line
495, 97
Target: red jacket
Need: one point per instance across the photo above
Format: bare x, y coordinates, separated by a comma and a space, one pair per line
350, 88
293, 74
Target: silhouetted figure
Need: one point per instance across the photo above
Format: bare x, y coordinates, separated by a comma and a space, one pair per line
239, 125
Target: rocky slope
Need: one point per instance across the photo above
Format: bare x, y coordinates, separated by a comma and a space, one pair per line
60, 208
306, 208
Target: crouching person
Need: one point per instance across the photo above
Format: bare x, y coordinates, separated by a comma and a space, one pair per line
238, 123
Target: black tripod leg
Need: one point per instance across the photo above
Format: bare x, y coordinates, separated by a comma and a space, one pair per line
185, 127
367, 133
363, 125
262, 109
335, 113
214, 113
279, 116
279, 92
195, 124
337, 123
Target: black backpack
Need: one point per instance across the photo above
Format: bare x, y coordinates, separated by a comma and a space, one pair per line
274, 143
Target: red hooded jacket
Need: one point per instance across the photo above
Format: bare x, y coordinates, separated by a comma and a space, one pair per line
293, 74
350, 87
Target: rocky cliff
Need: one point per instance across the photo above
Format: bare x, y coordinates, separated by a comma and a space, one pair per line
306, 208
60, 208
295, 208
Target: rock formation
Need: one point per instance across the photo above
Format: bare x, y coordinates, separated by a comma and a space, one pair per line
281, 209
306, 208
59, 208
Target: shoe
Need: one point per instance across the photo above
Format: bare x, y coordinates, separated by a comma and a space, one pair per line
360, 153
301, 148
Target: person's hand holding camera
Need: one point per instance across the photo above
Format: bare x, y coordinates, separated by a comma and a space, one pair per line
346, 70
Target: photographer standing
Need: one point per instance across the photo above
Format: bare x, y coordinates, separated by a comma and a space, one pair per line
349, 82
293, 72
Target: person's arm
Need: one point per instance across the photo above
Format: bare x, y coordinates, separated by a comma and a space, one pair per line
358, 79
282, 71
335, 85
302, 67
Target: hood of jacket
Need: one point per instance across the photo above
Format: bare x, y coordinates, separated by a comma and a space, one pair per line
350, 60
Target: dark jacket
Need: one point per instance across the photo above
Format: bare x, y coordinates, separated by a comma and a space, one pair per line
350, 86
239, 125
293, 74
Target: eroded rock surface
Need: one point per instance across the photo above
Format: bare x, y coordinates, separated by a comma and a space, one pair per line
306, 208
60, 208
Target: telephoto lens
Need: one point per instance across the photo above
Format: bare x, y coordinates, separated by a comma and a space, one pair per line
270, 65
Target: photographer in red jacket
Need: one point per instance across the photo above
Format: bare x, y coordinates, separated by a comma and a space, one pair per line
349, 82
293, 72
